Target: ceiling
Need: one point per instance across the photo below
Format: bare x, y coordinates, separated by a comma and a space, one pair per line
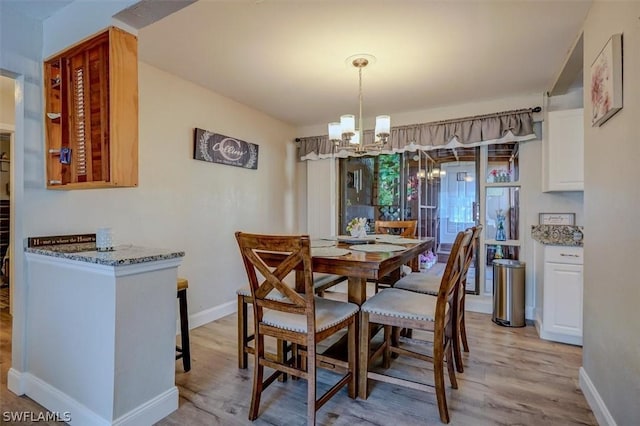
287, 58
36, 9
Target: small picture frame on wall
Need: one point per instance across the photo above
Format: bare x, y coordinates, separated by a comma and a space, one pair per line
557, 219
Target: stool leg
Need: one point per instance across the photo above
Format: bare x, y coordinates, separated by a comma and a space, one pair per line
184, 330
242, 333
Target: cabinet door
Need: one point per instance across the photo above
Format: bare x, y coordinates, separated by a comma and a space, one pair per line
565, 150
562, 308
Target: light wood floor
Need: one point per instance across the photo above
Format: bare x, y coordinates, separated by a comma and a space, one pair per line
511, 377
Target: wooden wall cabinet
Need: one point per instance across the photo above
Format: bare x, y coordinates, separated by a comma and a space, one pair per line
91, 113
563, 151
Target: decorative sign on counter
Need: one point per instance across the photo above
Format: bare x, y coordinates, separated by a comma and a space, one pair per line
557, 219
60, 239
217, 148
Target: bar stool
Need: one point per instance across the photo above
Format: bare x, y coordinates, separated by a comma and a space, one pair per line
183, 351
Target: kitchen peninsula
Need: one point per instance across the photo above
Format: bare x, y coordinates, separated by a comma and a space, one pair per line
100, 338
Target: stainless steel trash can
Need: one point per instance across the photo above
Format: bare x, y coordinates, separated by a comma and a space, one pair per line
508, 292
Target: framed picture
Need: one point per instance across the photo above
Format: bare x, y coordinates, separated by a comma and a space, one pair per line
217, 148
557, 219
606, 81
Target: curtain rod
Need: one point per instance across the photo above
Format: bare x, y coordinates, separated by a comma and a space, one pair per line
479, 117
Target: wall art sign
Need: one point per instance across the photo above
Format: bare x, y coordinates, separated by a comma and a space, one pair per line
557, 219
217, 148
606, 81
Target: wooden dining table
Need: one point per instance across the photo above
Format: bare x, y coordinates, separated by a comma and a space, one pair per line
361, 266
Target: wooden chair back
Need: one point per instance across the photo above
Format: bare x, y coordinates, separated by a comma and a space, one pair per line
255, 250
406, 228
451, 280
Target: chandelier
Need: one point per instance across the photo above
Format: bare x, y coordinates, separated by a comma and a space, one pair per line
345, 135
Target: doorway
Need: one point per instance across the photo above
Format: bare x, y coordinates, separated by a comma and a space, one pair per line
7, 120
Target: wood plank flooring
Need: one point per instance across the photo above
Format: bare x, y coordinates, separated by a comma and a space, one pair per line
511, 378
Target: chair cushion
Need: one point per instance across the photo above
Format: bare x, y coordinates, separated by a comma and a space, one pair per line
328, 314
420, 283
398, 303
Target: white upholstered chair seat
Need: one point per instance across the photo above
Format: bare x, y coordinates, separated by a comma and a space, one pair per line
328, 313
420, 282
393, 302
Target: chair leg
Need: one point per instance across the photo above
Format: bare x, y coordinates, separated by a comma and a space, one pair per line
455, 343
353, 358
363, 362
282, 357
242, 333
184, 330
391, 338
311, 383
450, 366
438, 372
463, 332
258, 376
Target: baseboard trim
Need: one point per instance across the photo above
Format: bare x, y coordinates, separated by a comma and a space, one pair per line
603, 416
58, 402
211, 314
15, 382
151, 411
64, 406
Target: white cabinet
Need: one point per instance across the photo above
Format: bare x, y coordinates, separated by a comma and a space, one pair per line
563, 151
562, 294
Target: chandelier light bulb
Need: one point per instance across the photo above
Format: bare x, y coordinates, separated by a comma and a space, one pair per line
383, 125
348, 123
335, 131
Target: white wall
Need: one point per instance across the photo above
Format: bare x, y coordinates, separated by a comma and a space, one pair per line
78, 20
611, 353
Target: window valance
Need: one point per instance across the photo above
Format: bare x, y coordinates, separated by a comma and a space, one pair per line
502, 127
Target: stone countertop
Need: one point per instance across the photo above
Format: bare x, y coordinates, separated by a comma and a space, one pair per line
121, 255
558, 235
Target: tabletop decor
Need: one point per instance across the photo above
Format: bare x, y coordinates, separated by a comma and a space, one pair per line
606, 81
217, 148
357, 227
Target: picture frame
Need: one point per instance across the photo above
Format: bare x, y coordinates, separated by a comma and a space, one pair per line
606, 81
557, 219
221, 149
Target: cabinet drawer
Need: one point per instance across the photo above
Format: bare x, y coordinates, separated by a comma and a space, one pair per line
564, 254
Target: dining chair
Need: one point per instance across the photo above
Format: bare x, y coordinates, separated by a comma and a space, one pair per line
420, 282
302, 319
321, 282
403, 228
394, 308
